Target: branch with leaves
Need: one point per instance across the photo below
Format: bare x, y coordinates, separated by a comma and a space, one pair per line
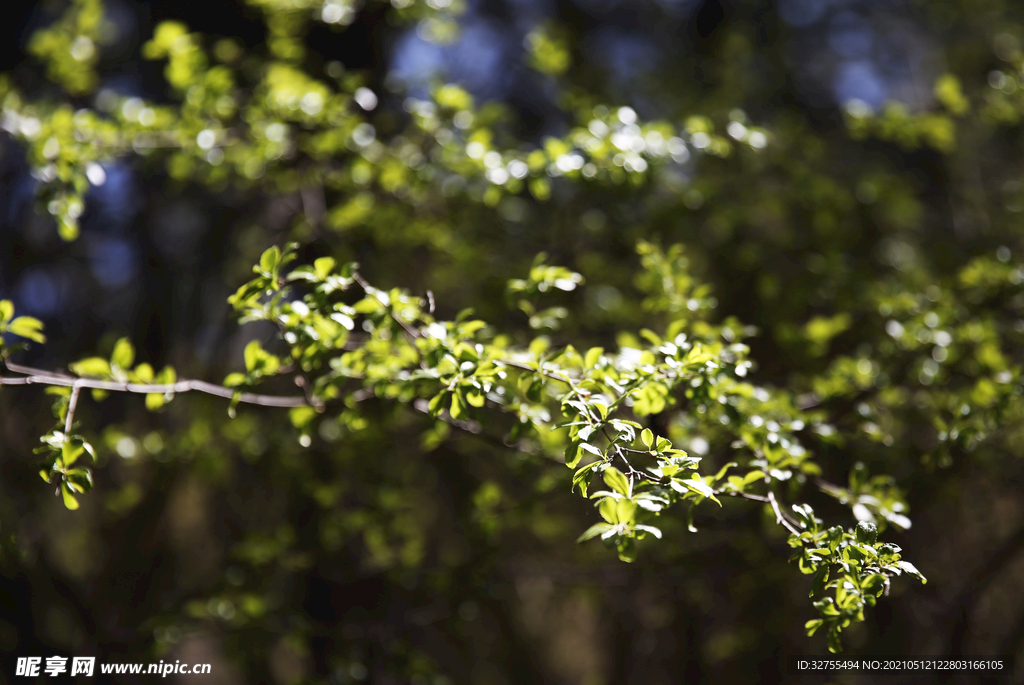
462, 371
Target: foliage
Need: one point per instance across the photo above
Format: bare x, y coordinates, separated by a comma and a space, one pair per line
463, 368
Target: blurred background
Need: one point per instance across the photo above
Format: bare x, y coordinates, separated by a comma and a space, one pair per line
387, 553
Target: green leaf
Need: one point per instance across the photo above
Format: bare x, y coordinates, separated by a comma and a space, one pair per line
457, 410
6, 311
834, 644
625, 510
649, 529
806, 515
436, 405
868, 551
144, 374
721, 471
367, 305
827, 607
270, 259
650, 504
873, 584
27, 327
324, 266
167, 376
912, 570
647, 437
609, 510
627, 550
753, 477
651, 336
835, 536
573, 454
812, 626
124, 354
535, 391
694, 485
593, 531
819, 580
80, 480
615, 480
583, 475
593, 356
154, 401
867, 533
92, 366
234, 380
475, 397
70, 451
252, 355
69, 499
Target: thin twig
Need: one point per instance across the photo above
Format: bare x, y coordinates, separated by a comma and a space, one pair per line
781, 518
42, 377
527, 367
470, 427
72, 405
833, 490
312, 401
745, 495
370, 290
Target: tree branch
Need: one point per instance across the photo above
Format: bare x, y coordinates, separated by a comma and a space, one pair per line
34, 376
527, 367
745, 495
72, 404
370, 290
780, 517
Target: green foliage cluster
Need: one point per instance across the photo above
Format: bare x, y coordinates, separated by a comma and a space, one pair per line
460, 371
249, 124
22, 326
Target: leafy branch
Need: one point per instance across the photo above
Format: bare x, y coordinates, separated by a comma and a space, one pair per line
456, 371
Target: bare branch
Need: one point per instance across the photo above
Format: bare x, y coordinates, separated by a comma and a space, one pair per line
527, 367
34, 376
72, 404
780, 517
745, 495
